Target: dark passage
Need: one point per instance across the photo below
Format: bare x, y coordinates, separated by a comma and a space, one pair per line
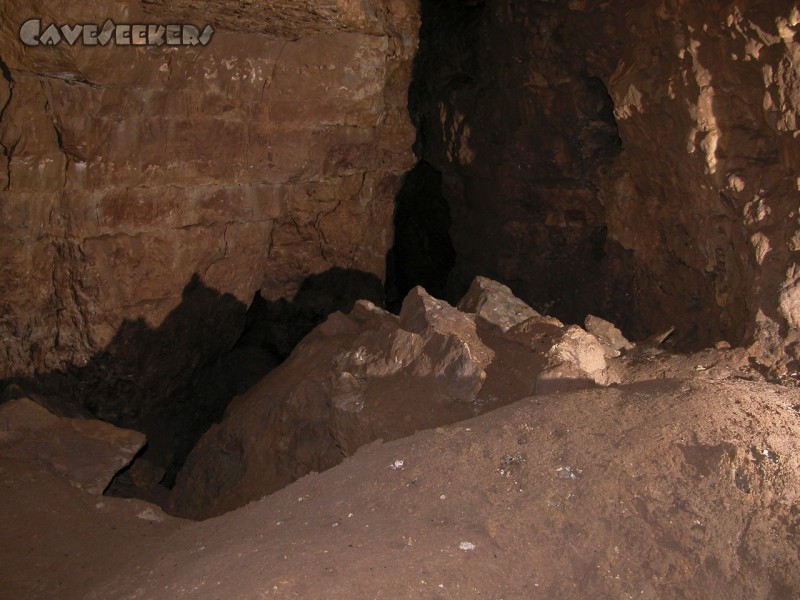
516, 140
423, 253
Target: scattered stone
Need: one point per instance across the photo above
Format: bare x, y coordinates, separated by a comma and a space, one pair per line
431, 341
466, 546
576, 361
495, 303
572, 358
655, 340
152, 514
356, 378
608, 334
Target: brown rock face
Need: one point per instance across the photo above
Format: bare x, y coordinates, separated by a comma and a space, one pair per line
85, 452
159, 188
718, 208
635, 160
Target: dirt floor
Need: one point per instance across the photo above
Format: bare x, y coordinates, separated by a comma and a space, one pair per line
658, 489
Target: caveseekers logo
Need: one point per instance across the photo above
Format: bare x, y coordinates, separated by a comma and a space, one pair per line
121, 34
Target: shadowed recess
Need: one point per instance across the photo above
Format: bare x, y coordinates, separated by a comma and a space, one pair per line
172, 382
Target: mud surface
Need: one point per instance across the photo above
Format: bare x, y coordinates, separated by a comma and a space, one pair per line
658, 489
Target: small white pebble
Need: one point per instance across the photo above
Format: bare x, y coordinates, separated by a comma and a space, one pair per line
442, 497
148, 514
335, 525
466, 546
350, 516
397, 465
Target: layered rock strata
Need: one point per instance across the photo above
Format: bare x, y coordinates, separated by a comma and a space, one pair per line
148, 193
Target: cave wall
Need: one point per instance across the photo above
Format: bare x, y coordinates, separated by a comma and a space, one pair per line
139, 183
706, 100
637, 160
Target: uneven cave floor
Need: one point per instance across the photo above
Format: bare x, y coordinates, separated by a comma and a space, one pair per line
663, 488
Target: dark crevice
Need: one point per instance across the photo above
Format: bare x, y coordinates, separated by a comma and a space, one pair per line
8, 150
6, 73
423, 253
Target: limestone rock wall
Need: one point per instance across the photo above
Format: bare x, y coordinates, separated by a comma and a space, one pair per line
131, 176
637, 160
706, 100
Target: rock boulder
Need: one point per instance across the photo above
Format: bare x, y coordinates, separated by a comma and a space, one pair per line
85, 452
373, 375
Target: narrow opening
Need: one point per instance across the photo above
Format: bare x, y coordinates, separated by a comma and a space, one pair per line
423, 252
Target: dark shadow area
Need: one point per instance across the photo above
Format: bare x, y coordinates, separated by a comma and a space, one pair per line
277, 327
512, 157
423, 253
172, 382
143, 379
